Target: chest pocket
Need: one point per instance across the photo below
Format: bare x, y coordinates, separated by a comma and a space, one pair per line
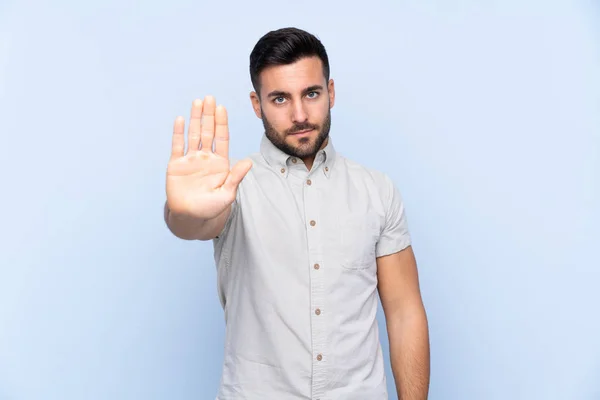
359, 234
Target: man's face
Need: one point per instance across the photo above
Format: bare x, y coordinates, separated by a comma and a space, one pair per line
295, 106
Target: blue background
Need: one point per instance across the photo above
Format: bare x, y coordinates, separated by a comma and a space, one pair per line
485, 114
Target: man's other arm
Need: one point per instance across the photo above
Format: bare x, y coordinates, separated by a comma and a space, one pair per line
406, 322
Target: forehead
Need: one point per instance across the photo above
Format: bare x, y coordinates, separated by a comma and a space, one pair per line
293, 77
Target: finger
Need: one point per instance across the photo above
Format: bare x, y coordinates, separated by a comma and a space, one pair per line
221, 132
208, 124
178, 145
195, 126
237, 173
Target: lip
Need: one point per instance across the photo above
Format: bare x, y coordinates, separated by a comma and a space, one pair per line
302, 133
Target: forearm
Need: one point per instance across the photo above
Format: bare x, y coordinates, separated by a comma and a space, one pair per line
409, 353
189, 228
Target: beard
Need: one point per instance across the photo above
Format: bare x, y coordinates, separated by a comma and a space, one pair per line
307, 147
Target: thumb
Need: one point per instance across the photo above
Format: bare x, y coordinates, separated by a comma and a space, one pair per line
237, 173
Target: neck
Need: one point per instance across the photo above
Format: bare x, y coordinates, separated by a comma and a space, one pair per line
308, 161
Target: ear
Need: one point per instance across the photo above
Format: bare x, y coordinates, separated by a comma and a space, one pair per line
254, 98
331, 90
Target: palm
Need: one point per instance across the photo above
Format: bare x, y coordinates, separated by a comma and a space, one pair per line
199, 181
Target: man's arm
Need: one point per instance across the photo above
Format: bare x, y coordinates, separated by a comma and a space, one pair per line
201, 173
406, 322
189, 228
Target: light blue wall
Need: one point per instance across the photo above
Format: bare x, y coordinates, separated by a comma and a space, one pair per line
486, 114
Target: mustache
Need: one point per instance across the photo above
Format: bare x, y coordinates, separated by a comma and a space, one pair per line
301, 127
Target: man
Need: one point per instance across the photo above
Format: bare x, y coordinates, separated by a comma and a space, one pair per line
304, 239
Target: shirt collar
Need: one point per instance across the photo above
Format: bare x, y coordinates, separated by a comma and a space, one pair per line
280, 161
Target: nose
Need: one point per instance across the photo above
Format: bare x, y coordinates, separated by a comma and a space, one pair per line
299, 113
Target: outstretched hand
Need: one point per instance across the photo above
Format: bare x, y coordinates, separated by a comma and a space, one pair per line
200, 183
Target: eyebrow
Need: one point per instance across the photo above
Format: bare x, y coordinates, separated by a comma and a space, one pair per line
279, 93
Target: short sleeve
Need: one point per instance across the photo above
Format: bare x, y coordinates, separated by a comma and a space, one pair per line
395, 235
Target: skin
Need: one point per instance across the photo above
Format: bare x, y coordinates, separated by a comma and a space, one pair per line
200, 184
406, 322
294, 98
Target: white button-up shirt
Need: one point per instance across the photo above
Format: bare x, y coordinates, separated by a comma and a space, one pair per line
297, 278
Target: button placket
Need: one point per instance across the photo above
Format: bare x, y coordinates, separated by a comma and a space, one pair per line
318, 310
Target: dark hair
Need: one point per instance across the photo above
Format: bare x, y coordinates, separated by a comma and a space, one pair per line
282, 47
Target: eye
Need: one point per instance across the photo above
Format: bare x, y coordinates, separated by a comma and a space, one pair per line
312, 95
279, 100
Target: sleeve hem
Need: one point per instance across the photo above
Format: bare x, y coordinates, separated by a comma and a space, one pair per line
394, 247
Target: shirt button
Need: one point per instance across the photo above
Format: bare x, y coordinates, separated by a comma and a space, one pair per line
318, 312
282, 170
316, 266
309, 182
312, 223
319, 357
294, 160
326, 168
